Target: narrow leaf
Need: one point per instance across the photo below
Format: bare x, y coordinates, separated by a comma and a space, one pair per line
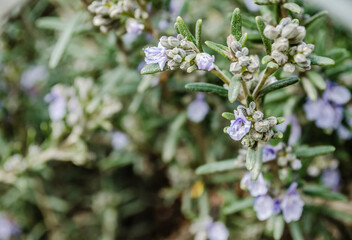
219, 48
258, 164
323, 192
243, 39
199, 35
150, 69
184, 30
296, 231
237, 206
339, 69
251, 158
234, 88
293, 7
321, 61
317, 80
215, 167
279, 225
62, 43
266, 41
208, 88
305, 152
315, 17
236, 24
177, 30
263, 2
310, 89
277, 85
228, 116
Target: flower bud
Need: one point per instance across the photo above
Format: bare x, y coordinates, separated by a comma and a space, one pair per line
115, 12
235, 68
271, 32
300, 36
173, 42
280, 44
102, 10
290, 31
262, 126
236, 46
99, 20
177, 58
164, 42
279, 57
205, 62
258, 115
288, 67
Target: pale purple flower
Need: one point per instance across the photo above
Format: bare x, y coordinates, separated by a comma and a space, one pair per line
33, 75
331, 178
336, 93
176, 7
218, 231
251, 6
57, 103
134, 27
313, 108
269, 153
129, 38
163, 24
330, 116
296, 130
156, 55
205, 62
199, 228
264, 207
277, 208
344, 133
256, 188
292, 204
8, 229
198, 109
239, 127
119, 140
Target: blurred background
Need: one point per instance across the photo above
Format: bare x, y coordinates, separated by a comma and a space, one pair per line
90, 149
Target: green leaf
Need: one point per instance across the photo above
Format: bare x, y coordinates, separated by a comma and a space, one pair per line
238, 205
251, 158
258, 164
208, 88
177, 30
170, 143
323, 192
236, 24
293, 7
280, 120
62, 43
184, 30
339, 69
234, 88
321, 61
279, 225
277, 85
219, 48
249, 22
310, 89
266, 41
306, 152
263, 2
315, 17
228, 116
215, 167
254, 37
317, 80
199, 35
296, 231
243, 39
150, 69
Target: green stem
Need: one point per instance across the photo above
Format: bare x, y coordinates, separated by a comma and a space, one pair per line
220, 75
267, 73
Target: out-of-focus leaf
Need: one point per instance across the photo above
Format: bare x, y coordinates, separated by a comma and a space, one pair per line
150, 69
207, 87
243, 39
266, 41
215, 167
339, 69
315, 17
199, 35
63, 41
317, 80
219, 48
234, 88
323, 192
236, 24
293, 7
279, 225
296, 231
257, 169
310, 89
238, 205
277, 85
321, 61
305, 152
251, 158
228, 116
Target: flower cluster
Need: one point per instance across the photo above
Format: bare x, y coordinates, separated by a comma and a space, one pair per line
244, 65
206, 228
198, 109
250, 127
178, 52
110, 15
327, 112
288, 49
288, 202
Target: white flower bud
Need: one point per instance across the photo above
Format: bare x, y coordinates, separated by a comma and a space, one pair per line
262, 126
253, 65
296, 164
290, 31
164, 42
102, 10
177, 58
288, 67
271, 32
300, 58
173, 42
99, 20
300, 36
258, 115
280, 44
115, 11
255, 135
279, 57
236, 46
235, 68
285, 21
